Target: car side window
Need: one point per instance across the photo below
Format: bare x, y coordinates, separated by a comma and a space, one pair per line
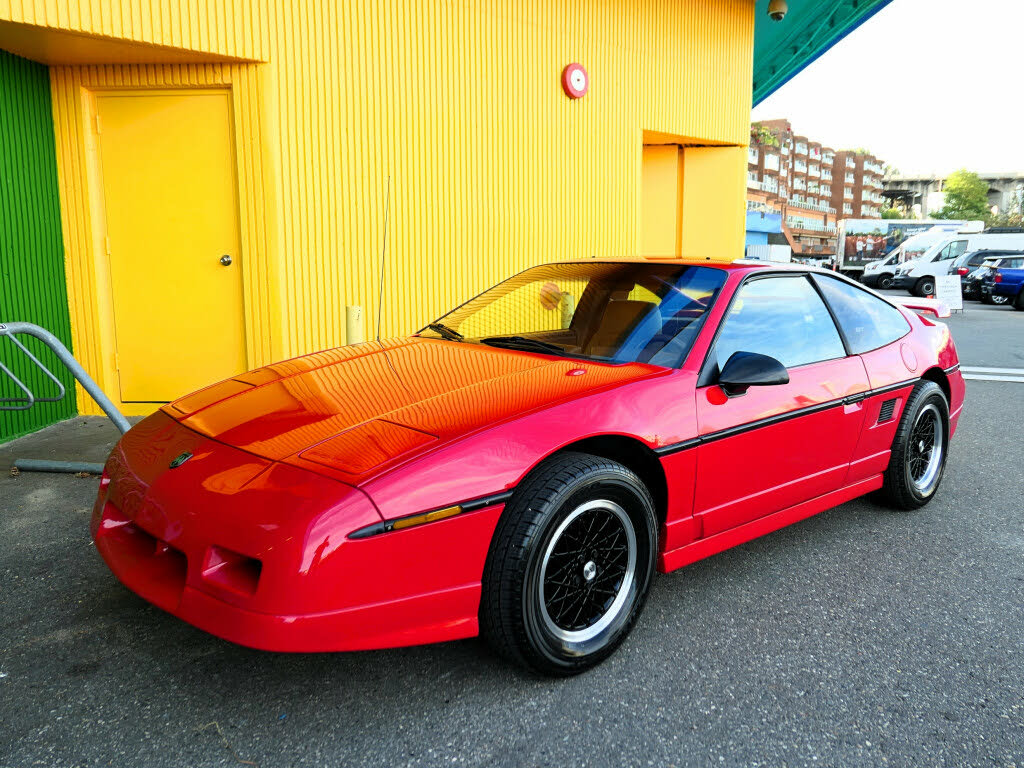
866, 320
782, 317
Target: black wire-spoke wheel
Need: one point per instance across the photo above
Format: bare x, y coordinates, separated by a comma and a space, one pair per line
918, 455
587, 570
569, 565
925, 449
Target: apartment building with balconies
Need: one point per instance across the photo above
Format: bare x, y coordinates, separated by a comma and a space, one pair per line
859, 196
793, 176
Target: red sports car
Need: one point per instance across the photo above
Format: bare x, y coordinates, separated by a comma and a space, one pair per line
520, 467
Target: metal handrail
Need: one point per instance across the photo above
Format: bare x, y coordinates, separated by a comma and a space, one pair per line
64, 355
29, 399
8, 330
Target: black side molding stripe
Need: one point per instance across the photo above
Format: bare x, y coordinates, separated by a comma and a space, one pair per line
893, 387
668, 450
484, 501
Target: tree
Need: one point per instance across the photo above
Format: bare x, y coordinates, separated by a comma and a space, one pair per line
1013, 216
966, 197
761, 134
892, 213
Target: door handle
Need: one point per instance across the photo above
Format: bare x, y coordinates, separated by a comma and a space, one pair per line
225, 260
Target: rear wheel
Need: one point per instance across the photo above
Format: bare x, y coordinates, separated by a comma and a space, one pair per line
1019, 303
925, 287
918, 456
998, 299
570, 564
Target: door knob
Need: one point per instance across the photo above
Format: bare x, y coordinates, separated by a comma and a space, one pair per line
225, 260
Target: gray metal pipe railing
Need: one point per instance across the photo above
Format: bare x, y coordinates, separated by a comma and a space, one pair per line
9, 331
64, 355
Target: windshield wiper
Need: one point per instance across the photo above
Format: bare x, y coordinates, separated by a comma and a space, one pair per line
524, 343
445, 332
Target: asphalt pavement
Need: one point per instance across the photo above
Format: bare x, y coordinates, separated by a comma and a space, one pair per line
859, 637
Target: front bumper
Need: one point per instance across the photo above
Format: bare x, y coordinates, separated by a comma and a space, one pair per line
257, 552
904, 281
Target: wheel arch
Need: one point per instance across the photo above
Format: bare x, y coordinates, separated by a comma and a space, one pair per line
938, 375
632, 453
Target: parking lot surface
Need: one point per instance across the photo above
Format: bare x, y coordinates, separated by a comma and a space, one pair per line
859, 637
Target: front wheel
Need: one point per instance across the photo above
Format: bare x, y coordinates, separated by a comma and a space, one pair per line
925, 287
918, 456
570, 564
885, 281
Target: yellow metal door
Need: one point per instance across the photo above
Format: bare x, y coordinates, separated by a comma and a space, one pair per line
660, 204
167, 164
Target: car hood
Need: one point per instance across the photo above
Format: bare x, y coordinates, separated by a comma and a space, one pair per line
356, 408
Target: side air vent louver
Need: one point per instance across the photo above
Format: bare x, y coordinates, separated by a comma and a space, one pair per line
885, 413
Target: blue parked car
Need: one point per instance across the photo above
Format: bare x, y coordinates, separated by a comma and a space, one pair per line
1006, 280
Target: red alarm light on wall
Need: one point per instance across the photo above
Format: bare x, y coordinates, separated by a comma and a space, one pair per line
575, 80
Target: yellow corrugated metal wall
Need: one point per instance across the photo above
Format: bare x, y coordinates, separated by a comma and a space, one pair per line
491, 167
234, 28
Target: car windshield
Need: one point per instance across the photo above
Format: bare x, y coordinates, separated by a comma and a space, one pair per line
618, 312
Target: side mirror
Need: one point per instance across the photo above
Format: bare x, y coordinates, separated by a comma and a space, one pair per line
749, 369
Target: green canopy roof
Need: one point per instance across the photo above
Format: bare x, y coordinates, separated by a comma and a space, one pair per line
811, 27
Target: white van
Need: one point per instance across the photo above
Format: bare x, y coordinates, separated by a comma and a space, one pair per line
918, 276
880, 273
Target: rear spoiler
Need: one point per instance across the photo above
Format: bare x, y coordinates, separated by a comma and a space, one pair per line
931, 306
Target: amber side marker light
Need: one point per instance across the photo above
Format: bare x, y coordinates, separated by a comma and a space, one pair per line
405, 522
429, 517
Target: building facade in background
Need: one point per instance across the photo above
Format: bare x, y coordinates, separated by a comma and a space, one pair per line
857, 185
791, 175
810, 185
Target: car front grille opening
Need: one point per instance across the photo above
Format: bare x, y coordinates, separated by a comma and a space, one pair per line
886, 411
151, 566
232, 571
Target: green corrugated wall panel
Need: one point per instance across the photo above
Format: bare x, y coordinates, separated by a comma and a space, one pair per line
32, 287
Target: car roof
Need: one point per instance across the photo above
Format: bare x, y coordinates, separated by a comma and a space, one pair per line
736, 265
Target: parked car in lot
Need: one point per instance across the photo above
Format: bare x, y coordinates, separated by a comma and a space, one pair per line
918, 276
971, 275
1004, 283
521, 466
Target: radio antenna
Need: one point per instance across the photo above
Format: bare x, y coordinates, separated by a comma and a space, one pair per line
383, 252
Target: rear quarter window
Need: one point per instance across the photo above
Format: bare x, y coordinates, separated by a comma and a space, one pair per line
867, 321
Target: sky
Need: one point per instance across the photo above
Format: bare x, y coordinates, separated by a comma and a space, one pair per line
928, 86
